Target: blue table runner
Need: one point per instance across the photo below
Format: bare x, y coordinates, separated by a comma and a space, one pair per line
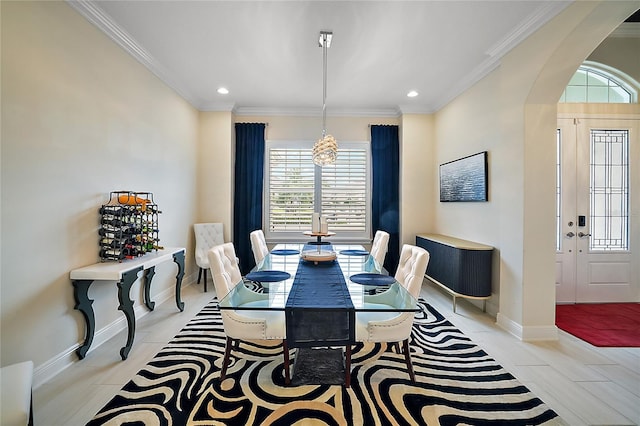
319, 311
320, 285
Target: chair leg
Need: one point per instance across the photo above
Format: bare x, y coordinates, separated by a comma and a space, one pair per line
205, 280
225, 360
396, 347
285, 349
407, 358
199, 275
31, 412
347, 367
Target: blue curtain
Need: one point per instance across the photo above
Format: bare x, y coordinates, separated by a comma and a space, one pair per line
249, 170
385, 193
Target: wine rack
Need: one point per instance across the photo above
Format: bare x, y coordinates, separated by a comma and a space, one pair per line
128, 226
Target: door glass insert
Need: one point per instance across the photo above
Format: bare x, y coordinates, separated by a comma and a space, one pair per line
609, 190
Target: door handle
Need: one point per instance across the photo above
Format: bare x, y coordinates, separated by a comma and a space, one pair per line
581, 234
570, 234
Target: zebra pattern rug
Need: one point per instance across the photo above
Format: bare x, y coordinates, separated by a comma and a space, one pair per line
456, 383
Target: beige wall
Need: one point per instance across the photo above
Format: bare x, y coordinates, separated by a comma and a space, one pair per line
418, 176
215, 169
416, 157
621, 53
80, 118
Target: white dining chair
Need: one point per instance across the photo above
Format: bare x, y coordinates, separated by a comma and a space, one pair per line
394, 327
244, 324
379, 246
207, 236
258, 245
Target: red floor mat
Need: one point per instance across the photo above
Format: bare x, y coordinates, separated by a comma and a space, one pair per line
606, 324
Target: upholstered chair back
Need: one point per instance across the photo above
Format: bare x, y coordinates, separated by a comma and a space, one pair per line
224, 268
411, 268
207, 236
379, 246
258, 245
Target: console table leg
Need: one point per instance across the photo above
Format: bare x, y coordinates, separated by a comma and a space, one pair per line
148, 276
126, 306
178, 258
84, 305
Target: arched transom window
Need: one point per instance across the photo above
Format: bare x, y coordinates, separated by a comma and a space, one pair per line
599, 84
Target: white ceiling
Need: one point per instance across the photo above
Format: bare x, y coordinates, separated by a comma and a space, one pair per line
266, 52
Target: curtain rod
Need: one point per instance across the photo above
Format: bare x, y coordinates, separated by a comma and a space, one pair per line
245, 122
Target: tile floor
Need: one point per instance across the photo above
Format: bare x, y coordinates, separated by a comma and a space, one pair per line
585, 385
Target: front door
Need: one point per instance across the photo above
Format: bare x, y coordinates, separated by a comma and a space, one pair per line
597, 237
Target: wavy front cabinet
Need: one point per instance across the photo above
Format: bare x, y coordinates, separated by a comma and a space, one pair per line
463, 268
124, 273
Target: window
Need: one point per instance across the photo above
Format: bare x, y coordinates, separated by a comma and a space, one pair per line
295, 188
609, 190
558, 189
591, 84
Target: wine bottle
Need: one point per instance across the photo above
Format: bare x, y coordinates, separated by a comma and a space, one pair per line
131, 230
109, 233
113, 210
110, 228
112, 221
112, 253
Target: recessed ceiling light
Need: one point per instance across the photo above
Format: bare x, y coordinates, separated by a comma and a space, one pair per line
223, 91
412, 94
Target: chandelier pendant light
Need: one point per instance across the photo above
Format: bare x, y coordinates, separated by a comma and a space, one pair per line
325, 150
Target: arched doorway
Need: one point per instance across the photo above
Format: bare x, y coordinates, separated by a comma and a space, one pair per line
590, 23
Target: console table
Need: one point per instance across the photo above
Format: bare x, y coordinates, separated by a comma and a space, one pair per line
125, 273
461, 267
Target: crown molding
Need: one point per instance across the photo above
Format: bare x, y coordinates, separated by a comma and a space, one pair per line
527, 27
99, 18
317, 112
416, 109
544, 14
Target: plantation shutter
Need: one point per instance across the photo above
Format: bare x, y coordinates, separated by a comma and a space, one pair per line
344, 189
291, 186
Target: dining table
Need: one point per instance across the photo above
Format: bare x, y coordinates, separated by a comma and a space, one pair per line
321, 301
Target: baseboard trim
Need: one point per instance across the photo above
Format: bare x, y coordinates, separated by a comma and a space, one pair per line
527, 333
537, 333
54, 366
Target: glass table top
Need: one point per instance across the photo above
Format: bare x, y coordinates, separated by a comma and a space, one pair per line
394, 299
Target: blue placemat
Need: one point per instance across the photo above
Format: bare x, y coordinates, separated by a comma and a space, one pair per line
372, 279
354, 252
285, 252
268, 276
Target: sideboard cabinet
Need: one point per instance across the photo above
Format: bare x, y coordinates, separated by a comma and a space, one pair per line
463, 268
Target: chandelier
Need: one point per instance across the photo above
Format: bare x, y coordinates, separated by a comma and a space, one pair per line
325, 150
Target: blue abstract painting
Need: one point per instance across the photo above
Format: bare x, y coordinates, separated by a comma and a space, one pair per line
464, 179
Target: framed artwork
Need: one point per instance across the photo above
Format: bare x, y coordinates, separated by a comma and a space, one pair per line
465, 179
